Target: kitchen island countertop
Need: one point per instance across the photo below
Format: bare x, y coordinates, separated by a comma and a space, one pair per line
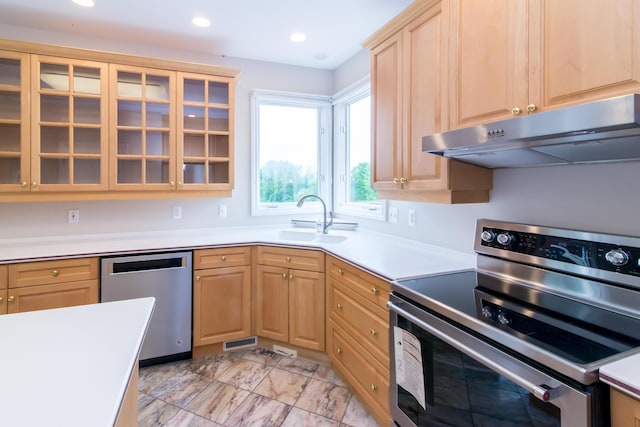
70, 367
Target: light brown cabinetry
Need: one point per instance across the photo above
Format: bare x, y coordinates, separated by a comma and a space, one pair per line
290, 296
625, 410
512, 58
409, 89
221, 295
3, 289
358, 333
52, 284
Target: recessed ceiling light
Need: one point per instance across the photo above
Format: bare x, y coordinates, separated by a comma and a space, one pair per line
298, 37
201, 21
84, 3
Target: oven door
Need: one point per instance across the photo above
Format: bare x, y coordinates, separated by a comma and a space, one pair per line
443, 376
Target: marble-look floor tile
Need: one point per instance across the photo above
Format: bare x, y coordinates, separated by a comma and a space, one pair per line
325, 373
244, 374
187, 419
323, 398
211, 367
180, 389
217, 401
282, 385
356, 415
151, 376
299, 366
300, 418
263, 355
153, 412
258, 411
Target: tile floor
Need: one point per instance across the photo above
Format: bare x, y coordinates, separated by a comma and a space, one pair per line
255, 387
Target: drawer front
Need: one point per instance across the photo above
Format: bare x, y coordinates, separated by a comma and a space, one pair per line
299, 259
4, 276
355, 364
47, 272
57, 295
221, 257
370, 287
362, 320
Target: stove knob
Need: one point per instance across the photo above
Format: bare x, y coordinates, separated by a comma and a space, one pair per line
504, 238
504, 319
487, 312
487, 236
617, 257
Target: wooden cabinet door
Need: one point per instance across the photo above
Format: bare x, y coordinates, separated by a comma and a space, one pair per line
42, 297
386, 92
590, 50
306, 309
222, 304
625, 410
489, 60
272, 302
3, 288
15, 122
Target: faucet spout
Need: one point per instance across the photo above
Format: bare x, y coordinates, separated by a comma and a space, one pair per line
325, 224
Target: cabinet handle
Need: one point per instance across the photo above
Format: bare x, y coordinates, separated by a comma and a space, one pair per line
23, 184
197, 278
374, 290
516, 111
55, 273
340, 271
373, 387
339, 306
531, 108
403, 180
339, 350
288, 259
11, 298
373, 332
223, 258
284, 275
396, 180
34, 184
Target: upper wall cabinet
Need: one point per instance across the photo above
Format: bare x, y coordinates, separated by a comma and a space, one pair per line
514, 57
78, 124
409, 88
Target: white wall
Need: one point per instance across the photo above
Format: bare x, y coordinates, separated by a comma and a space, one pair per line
593, 197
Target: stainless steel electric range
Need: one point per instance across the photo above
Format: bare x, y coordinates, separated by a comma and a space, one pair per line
518, 341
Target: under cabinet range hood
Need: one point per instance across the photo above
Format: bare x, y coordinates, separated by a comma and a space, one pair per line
600, 131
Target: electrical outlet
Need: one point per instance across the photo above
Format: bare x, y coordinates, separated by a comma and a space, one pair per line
74, 216
177, 212
393, 215
412, 217
222, 211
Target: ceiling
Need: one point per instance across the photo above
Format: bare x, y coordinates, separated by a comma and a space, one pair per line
250, 29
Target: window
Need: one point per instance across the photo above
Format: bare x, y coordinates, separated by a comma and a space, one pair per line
352, 116
291, 151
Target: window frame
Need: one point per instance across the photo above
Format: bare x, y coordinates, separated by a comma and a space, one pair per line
324, 108
341, 100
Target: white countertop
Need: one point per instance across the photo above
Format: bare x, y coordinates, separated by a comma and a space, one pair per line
388, 256
70, 366
624, 375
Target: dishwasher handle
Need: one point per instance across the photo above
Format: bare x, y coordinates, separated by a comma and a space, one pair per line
142, 265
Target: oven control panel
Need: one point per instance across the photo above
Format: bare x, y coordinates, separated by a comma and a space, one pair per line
602, 252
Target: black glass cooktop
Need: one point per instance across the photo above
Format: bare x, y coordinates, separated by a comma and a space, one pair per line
570, 329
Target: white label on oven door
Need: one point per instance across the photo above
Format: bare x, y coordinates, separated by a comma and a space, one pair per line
409, 372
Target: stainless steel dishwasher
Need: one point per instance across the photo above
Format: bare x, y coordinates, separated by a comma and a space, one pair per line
168, 278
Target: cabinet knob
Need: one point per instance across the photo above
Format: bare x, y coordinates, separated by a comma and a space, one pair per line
24, 184
197, 278
223, 258
11, 298
403, 180
291, 277
516, 111
373, 387
288, 259
531, 108
55, 273
396, 180
374, 290
339, 306
34, 184
172, 183
373, 332
340, 271
339, 350
180, 183
1, 299
284, 275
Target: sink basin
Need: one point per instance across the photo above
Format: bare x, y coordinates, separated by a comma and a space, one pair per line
310, 236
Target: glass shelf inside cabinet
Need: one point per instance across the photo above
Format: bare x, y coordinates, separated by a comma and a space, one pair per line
10, 121
10, 171
10, 72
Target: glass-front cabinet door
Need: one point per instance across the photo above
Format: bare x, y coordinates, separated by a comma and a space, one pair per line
14, 122
205, 120
69, 125
143, 149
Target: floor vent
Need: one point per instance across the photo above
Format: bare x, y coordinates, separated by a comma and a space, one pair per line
285, 351
241, 343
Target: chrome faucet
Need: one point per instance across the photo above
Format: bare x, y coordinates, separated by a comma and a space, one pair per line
325, 225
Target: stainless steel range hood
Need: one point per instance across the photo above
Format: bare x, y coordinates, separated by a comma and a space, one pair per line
600, 131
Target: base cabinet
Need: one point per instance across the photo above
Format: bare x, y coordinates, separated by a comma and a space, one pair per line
358, 333
51, 284
290, 296
221, 295
625, 410
3, 289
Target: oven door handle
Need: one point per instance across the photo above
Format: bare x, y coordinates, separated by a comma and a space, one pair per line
544, 393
